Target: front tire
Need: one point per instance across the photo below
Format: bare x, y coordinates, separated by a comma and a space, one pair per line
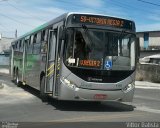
14, 75
42, 90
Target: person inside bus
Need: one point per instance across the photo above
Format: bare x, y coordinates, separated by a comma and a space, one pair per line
80, 50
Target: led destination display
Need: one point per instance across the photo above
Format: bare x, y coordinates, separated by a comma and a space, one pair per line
102, 20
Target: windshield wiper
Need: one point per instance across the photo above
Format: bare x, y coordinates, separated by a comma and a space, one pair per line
122, 32
85, 29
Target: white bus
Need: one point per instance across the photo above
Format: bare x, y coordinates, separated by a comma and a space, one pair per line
78, 57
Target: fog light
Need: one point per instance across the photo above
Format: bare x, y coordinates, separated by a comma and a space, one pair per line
128, 87
68, 83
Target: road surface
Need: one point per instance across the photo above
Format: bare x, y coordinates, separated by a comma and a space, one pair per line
19, 104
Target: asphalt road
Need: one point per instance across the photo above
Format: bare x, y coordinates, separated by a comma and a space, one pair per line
19, 104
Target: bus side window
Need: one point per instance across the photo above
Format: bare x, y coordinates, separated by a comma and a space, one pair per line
44, 41
21, 45
16, 45
34, 38
17, 48
46, 34
13, 46
36, 43
31, 41
43, 35
30, 45
26, 43
38, 40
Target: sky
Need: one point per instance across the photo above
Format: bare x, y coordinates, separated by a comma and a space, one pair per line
25, 15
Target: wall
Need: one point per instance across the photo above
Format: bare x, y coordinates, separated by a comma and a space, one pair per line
145, 53
141, 39
4, 60
148, 72
154, 40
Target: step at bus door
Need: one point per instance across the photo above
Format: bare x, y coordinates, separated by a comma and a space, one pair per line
51, 62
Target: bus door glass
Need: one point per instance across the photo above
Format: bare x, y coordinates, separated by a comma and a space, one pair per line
52, 45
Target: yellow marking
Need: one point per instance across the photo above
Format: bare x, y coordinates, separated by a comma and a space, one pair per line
58, 68
58, 75
50, 72
50, 67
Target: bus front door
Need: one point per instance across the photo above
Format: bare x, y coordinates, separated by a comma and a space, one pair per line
51, 59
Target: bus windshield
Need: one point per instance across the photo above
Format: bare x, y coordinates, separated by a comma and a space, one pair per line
100, 49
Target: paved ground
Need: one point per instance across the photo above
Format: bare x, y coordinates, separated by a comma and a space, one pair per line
4, 70
23, 105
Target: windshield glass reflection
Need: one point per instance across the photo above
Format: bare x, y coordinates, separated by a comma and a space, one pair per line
100, 49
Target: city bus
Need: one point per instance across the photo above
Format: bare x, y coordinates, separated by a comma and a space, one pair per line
78, 57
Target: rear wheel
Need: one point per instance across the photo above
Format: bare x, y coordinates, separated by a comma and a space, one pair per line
18, 83
42, 89
14, 75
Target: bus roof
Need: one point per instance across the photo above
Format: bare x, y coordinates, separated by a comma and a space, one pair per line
61, 18
41, 27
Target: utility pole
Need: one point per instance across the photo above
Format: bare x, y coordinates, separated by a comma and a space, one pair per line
16, 33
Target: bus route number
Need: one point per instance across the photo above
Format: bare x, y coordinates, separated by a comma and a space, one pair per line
102, 21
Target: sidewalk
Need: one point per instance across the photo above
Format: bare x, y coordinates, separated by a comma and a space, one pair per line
147, 85
4, 70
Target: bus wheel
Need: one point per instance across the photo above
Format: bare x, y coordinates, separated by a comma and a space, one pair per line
42, 90
17, 78
14, 75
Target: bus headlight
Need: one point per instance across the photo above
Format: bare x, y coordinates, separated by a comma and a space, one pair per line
128, 87
68, 83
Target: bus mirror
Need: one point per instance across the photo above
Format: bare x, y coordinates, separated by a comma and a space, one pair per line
61, 33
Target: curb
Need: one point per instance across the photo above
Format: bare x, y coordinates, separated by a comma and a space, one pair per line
147, 84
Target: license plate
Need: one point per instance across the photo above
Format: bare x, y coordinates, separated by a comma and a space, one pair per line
100, 96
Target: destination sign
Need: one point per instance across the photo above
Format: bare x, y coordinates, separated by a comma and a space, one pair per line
90, 63
102, 20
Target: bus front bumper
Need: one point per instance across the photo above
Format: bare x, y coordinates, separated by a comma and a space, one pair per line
79, 94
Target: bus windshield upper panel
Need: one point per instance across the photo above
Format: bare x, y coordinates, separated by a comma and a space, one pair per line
100, 49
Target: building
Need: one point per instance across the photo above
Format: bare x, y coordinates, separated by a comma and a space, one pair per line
149, 40
5, 43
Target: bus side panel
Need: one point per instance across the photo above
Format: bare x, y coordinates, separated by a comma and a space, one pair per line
18, 63
33, 65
